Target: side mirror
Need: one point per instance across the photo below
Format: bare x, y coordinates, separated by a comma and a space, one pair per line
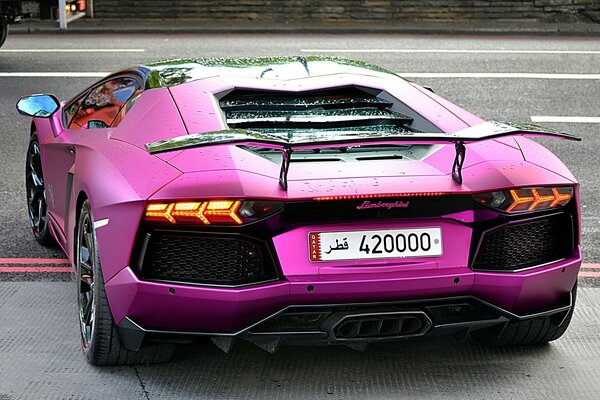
38, 105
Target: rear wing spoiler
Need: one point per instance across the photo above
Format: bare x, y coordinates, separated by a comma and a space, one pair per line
326, 139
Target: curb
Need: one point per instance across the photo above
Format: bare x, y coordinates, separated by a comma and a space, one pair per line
530, 28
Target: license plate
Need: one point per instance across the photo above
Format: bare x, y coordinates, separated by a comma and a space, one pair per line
364, 245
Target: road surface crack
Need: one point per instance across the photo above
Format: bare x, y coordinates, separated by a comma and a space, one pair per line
144, 391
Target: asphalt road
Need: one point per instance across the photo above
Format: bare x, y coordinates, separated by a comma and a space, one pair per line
508, 99
39, 351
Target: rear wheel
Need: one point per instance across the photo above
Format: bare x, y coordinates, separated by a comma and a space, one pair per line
36, 194
529, 332
3, 29
99, 336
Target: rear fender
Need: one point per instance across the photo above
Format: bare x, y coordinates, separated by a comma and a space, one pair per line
117, 197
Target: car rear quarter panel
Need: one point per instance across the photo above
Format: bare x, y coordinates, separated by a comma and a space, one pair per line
154, 116
537, 154
117, 178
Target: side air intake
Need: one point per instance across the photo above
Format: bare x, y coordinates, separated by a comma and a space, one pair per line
526, 244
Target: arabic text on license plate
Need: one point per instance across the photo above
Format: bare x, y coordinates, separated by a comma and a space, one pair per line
389, 243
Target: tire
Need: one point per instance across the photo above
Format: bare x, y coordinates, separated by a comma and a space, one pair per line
99, 336
3, 29
37, 207
533, 331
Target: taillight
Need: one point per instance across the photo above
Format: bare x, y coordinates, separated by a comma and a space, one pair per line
235, 212
526, 199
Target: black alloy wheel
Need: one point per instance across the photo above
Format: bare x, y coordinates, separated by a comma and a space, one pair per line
86, 304
37, 206
100, 339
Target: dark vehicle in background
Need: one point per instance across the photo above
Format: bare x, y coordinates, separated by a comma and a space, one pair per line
10, 12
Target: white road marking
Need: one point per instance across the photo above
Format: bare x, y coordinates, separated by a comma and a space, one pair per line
496, 75
53, 74
492, 75
553, 118
456, 51
72, 50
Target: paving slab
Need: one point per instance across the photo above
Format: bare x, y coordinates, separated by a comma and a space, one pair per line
41, 359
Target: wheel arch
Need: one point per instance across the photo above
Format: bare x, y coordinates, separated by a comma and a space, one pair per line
81, 198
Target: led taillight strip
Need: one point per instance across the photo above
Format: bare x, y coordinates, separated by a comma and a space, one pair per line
206, 212
518, 200
160, 211
560, 198
374, 196
536, 200
539, 200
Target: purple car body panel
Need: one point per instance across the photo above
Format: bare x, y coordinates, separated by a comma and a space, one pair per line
112, 168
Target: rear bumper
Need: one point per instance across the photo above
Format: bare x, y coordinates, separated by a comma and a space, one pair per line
165, 307
357, 324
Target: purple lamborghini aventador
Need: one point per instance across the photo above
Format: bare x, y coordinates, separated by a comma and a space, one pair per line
297, 200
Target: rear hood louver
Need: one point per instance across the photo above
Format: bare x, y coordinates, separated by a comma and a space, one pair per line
337, 108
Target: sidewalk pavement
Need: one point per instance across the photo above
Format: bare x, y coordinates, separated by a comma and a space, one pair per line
491, 27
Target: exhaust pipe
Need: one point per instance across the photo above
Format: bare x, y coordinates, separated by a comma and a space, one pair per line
403, 324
